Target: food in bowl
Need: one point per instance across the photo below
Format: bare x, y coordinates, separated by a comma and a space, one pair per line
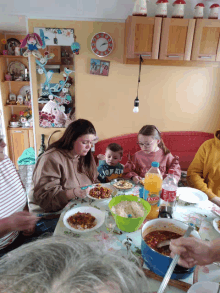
82, 221
155, 237
125, 208
100, 192
123, 184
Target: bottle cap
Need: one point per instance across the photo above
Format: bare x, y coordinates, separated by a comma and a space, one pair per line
155, 164
171, 171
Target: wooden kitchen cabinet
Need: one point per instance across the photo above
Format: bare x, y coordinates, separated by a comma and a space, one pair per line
176, 39
142, 36
19, 139
206, 44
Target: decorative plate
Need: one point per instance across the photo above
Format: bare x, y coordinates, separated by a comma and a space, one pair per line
16, 68
102, 44
11, 44
99, 215
25, 90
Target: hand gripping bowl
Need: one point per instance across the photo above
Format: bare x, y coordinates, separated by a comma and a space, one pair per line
129, 224
159, 263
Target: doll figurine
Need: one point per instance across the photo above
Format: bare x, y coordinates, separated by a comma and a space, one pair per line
32, 41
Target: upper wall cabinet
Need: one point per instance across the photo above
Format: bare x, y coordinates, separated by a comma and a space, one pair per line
176, 39
142, 36
206, 45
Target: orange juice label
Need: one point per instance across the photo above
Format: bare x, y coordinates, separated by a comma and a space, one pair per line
153, 199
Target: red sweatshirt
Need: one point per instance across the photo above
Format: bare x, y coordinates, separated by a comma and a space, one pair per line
140, 163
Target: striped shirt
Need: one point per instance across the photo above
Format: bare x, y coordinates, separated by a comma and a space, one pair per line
12, 196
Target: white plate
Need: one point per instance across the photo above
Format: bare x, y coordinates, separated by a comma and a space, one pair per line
107, 185
99, 215
204, 287
215, 224
191, 195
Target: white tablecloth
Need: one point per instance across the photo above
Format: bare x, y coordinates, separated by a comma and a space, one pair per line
183, 213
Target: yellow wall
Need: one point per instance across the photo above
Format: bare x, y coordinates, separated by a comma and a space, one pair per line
172, 98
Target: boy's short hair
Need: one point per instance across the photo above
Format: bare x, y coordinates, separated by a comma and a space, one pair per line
114, 147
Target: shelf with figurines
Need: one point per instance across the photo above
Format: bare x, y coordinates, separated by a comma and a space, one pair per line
21, 100
23, 120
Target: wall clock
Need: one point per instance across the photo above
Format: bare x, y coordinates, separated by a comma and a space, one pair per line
102, 44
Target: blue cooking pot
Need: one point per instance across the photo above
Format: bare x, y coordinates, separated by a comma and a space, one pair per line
159, 263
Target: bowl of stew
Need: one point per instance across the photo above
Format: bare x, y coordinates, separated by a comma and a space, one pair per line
158, 259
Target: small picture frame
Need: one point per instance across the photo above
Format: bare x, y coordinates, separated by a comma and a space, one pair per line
104, 68
95, 66
99, 67
12, 97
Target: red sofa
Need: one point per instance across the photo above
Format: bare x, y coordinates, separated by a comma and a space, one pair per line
182, 143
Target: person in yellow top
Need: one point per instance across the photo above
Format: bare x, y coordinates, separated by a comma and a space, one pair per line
204, 171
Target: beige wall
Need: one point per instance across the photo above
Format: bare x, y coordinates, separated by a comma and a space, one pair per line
172, 98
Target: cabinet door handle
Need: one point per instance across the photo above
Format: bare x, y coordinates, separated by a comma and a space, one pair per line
173, 56
18, 131
205, 57
149, 55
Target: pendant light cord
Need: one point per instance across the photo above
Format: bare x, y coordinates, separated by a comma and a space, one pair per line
139, 77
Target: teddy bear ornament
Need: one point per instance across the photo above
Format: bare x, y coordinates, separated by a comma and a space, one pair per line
32, 41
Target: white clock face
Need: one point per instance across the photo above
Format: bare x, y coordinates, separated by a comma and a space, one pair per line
102, 44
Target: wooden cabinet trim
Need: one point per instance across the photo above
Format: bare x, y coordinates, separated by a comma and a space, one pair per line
189, 39
156, 38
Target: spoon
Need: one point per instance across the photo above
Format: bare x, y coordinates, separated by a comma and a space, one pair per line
163, 243
173, 263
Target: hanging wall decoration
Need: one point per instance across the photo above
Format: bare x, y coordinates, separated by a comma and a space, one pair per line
56, 36
56, 97
58, 101
32, 41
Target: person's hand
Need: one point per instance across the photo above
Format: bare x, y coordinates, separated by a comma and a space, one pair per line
101, 157
136, 179
28, 232
79, 192
21, 221
216, 200
192, 251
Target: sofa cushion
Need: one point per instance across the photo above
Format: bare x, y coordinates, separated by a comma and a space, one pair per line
183, 144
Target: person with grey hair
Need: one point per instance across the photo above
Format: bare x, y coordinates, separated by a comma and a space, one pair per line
68, 265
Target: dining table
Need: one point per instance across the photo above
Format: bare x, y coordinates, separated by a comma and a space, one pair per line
202, 214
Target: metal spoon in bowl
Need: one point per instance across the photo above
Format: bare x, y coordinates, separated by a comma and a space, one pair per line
173, 263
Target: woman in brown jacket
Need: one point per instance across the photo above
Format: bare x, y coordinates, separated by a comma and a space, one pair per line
65, 167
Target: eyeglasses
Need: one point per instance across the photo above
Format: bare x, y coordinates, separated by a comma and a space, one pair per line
145, 144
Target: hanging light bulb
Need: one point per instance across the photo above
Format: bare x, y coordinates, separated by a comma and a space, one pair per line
136, 105
136, 101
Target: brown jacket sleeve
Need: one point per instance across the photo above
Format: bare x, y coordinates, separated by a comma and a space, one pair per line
47, 179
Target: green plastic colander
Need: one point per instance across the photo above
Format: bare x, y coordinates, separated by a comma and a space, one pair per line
129, 224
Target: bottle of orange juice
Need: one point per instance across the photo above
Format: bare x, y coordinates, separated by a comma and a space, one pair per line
153, 184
